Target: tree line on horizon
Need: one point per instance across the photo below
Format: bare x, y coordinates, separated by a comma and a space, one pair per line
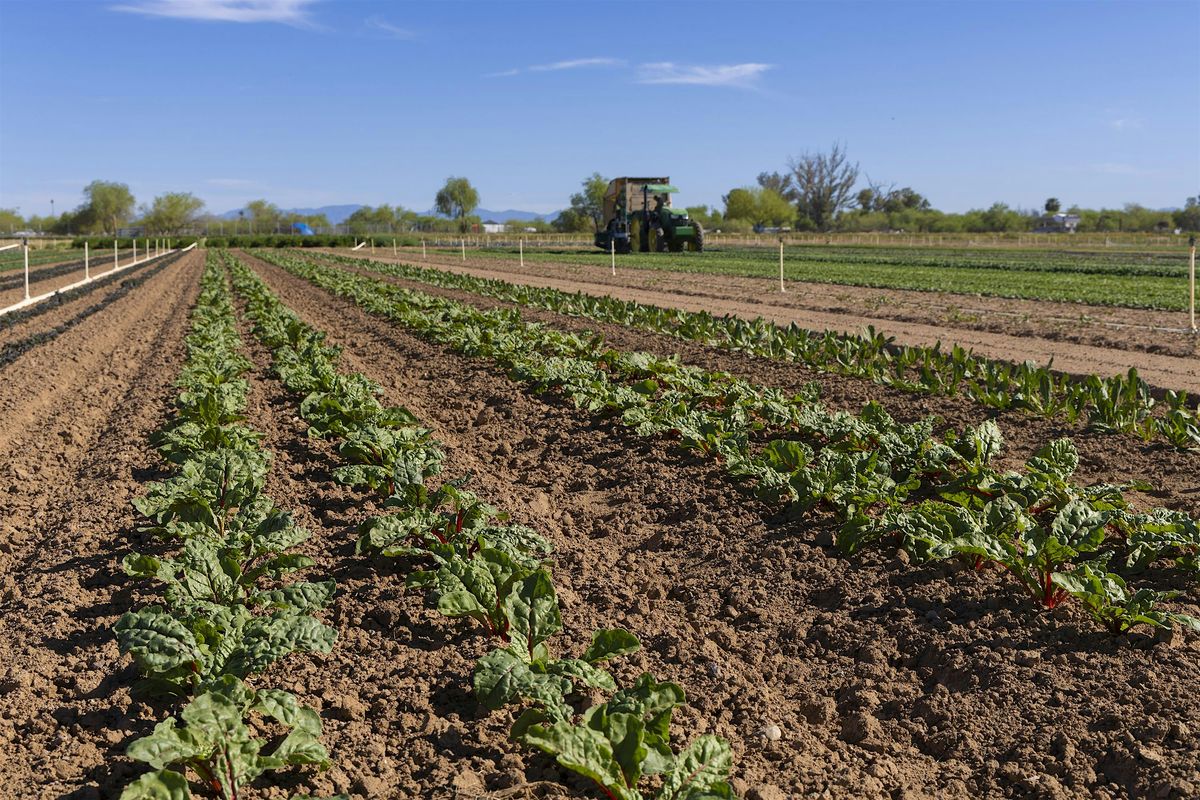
818, 192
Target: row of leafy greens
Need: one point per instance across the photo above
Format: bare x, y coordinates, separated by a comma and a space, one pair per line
223, 564
1119, 404
475, 566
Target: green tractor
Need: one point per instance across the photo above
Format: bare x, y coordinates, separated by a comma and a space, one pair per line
638, 215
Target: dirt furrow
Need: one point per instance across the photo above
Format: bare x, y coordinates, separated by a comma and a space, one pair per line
886, 679
76, 416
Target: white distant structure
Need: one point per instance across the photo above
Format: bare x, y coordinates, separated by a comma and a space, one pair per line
1057, 223
491, 226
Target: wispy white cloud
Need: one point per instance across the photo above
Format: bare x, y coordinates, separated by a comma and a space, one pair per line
1122, 119
1125, 123
742, 76
288, 12
574, 63
381, 25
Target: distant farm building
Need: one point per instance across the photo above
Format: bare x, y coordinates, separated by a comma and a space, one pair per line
1057, 223
491, 226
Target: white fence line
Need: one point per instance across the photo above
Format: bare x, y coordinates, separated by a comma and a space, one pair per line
30, 301
10, 246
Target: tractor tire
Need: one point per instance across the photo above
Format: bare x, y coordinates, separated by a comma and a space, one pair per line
660, 240
698, 242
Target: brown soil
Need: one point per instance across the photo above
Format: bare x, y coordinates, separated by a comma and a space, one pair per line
886, 680
48, 277
1104, 458
1080, 339
76, 413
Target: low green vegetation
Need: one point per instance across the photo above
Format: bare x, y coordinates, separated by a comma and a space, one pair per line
229, 609
937, 497
1143, 280
1120, 404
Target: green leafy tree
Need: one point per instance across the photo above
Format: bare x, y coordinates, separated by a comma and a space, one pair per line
1052, 205
740, 205
758, 205
381, 219
457, 199
589, 203
11, 221
571, 221
1188, 218
172, 212
109, 202
264, 216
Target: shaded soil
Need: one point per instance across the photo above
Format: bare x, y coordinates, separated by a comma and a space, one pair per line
74, 419
47, 278
32, 327
1080, 339
1104, 458
885, 679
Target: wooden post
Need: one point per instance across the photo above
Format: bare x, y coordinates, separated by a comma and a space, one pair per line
393, 248
463, 241
134, 250
372, 247
26, 270
115, 251
423, 253
85, 261
612, 249
781, 289
522, 248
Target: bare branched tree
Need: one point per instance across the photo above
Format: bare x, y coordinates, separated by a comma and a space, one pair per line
823, 183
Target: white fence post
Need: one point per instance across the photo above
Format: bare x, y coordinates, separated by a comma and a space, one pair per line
1192, 283
522, 252
464, 248
135, 250
26, 270
115, 251
85, 260
393, 248
781, 289
612, 252
423, 253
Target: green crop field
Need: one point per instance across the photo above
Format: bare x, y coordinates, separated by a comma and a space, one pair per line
1154, 280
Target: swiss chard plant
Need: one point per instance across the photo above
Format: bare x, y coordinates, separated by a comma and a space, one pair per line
212, 741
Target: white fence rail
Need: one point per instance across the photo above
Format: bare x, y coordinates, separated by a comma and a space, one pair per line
159, 251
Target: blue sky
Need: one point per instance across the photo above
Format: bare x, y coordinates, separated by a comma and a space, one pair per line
315, 102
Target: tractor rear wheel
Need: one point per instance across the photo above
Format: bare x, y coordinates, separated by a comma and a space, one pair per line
698, 242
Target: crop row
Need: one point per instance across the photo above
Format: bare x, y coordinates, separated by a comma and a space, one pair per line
457, 548
228, 611
1122, 403
1156, 286
937, 497
1163, 264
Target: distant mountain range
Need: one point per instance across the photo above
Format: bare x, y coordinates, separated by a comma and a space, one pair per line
338, 214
